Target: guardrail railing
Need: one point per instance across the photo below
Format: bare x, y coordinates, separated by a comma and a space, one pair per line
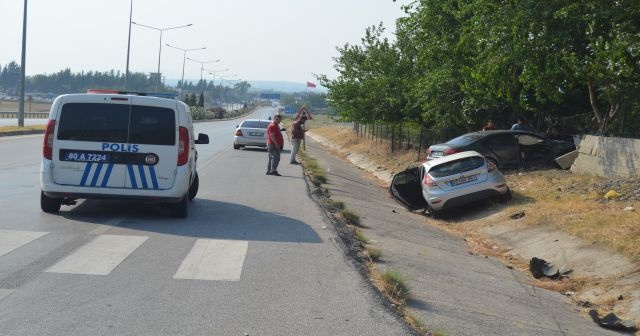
27, 115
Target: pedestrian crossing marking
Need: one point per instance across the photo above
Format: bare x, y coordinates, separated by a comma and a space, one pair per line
100, 256
214, 259
12, 239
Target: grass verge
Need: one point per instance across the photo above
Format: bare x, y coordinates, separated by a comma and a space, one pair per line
25, 128
390, 284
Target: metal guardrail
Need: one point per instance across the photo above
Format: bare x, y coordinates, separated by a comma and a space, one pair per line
27, 115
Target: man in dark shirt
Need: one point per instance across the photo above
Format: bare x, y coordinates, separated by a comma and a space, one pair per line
521, 125
297, 135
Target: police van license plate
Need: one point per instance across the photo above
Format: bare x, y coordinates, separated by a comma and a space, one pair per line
463, 180
83, 156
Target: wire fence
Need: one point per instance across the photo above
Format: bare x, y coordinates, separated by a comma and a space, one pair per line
403, 137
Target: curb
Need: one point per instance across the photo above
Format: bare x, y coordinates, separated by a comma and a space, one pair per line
26, 132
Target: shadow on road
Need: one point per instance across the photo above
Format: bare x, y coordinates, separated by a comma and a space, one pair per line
207, 219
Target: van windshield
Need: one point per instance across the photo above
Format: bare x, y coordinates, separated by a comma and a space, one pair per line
117, 123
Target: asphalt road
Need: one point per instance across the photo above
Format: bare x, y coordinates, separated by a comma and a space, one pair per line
254, 257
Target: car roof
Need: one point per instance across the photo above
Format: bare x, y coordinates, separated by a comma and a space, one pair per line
452, 157
478, 135
256, 120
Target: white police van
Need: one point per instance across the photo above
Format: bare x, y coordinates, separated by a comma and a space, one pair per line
119, 145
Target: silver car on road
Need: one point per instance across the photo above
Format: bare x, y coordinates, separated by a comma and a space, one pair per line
251, 132
448, 182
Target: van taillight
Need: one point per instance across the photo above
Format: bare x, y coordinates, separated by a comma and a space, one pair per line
47, 146
183, 146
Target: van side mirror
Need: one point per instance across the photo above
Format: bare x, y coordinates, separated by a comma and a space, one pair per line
203, 139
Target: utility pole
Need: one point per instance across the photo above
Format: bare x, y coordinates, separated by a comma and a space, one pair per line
22, 67
126, 74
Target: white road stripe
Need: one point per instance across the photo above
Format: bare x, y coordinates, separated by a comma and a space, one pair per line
213, 259
100, 256
11, 240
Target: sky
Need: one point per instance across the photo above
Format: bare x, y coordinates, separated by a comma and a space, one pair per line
257, 40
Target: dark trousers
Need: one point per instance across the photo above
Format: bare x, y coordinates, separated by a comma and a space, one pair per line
274, 157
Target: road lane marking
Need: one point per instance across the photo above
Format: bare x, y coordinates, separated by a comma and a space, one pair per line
12, 239
213, 259
100, 256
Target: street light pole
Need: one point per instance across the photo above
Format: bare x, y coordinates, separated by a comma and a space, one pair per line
161, 30
126, 74
213, 72
22, 66
184, 59
202, 68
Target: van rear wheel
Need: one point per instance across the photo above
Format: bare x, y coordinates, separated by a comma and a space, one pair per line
49, 204
180, 209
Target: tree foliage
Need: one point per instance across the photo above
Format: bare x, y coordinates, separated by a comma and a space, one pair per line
65, 81
460, 63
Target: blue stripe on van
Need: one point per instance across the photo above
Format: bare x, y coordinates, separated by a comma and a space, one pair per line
96, 175
132, 177
85, 175
143, 177
107, 174
154, 180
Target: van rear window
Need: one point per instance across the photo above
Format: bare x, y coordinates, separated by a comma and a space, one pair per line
117, 123
152, 125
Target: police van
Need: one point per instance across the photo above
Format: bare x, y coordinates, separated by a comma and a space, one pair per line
119, 145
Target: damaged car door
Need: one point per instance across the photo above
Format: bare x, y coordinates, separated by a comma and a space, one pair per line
406, 188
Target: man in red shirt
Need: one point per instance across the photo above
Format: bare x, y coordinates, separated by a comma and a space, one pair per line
275, 143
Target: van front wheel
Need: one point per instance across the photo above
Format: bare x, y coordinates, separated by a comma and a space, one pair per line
49, 204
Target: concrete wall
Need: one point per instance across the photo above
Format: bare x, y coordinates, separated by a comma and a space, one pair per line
608, 157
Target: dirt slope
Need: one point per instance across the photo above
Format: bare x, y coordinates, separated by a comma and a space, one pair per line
599, 278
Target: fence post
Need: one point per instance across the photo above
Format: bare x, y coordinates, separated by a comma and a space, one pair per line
420, 144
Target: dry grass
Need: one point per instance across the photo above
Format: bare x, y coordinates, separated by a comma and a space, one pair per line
28, 107
25, 128
560, 199
575, 204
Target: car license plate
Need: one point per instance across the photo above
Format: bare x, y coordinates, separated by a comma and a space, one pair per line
437, 154
463, 180
82, 156
256, 134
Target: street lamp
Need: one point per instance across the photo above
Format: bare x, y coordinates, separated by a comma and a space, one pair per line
227, 77
161, 30
202, 68
213, 72
184, 59
126, 74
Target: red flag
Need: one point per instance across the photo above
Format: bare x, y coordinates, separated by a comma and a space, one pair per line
311, 85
